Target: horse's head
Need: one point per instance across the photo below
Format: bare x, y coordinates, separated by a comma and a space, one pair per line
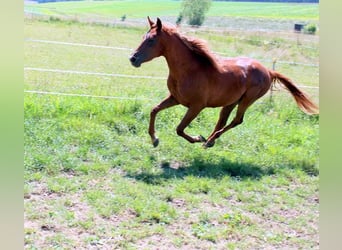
150, 47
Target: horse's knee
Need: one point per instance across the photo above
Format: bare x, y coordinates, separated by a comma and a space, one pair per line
154, 111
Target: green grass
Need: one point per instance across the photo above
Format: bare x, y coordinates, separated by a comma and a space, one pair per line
109, 8
93, 179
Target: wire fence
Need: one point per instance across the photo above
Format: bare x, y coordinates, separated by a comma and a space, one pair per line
269, 94
92, 73
76, 44
116, 75
86, 95
63, 71
112, 75
131, 50
140, 22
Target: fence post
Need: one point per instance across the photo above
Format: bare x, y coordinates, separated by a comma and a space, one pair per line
274, 63
273, 68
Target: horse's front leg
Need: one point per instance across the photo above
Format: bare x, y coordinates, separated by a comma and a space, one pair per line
187, 119
166, 103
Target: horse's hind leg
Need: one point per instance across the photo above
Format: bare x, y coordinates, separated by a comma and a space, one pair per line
224, 115
242, 107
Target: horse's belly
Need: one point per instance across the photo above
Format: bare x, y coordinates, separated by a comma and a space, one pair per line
221, 102
225, 95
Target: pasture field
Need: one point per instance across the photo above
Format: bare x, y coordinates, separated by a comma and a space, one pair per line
94, 181
237, 15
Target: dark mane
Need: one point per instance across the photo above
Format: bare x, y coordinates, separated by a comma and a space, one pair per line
200, 49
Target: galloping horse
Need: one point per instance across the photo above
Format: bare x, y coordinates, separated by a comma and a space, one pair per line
198, 79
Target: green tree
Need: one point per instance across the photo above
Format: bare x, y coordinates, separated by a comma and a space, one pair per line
194, 11
310, 29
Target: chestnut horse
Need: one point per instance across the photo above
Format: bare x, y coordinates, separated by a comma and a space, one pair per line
198, 79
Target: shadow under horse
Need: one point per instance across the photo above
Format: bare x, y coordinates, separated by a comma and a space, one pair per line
199, 79
201, 168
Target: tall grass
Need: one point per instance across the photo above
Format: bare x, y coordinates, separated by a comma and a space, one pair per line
75, 132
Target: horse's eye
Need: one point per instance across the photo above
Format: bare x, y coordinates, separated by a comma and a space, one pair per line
150, 41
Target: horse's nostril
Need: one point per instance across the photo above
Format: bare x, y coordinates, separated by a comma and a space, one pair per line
133, 59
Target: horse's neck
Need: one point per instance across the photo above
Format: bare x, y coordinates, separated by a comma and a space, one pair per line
179, 58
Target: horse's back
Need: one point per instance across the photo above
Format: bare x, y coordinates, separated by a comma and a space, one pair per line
244, 63
252, 70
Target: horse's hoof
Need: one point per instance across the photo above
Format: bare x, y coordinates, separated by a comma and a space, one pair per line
209, 144
155, 142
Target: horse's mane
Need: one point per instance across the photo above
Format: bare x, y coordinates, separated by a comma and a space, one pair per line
199, 48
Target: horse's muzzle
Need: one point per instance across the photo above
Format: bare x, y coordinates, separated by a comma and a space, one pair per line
135, 60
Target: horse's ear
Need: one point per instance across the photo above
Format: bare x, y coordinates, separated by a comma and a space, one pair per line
159, 24
150, 22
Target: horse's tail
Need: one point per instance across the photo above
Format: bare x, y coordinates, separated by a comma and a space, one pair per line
303, 102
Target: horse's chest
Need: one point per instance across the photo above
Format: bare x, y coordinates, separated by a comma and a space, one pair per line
172, 85
176, 93
182, 92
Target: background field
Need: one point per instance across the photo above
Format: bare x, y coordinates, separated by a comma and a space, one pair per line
138, 9
232, 15
93, 180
